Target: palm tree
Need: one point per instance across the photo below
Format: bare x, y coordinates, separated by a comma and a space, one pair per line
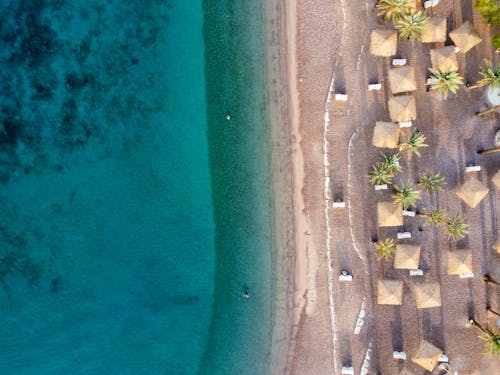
414, 141
491, 76
380, 174
406, 195
491, 311
392, 163
456, 227
434, 217
386, 248
488, 280
390, 9
411, 25
431, 181
445, 81
492, 344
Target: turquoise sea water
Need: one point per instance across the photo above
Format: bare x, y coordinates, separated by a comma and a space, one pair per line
133, 214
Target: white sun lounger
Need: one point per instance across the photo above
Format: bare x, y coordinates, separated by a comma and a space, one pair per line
374, 87
381, 187
473, 168
399, 355
341, 97
417, 272
345, 276
403, 235
338, 204
405, 124
430, 3
443, 358
398, 62
408, 213
465, 275
347, 371
457, 49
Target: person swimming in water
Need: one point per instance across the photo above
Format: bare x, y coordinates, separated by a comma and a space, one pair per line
246, 294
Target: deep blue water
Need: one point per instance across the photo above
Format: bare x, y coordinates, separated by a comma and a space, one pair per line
133, 214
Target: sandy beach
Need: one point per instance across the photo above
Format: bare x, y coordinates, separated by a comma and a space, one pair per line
330, 154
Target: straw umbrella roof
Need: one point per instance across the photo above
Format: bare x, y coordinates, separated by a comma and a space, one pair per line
390, 292
402, 79
407, 256
444, 58
386, 134
427, 355
383, 42
435, 30
428, 294
496, 179
402, 108
496, 246
459, 262
389, 214
472, 192
465, 37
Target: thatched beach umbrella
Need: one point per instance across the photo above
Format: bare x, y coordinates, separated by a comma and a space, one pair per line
427, 295
389, 214
402, 108
460, 262
383, 42
496, 179
435, 30
386, 134
444, 59
390, 292
402, 79
472, 192
496, 246
427, 355
407, 256
465, 37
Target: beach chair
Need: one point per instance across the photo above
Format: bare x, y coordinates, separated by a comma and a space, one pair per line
443, 358
374, 86
473, 168
381, 187
345, 276
431, 81
404, 235
399, 355
341, 97
465, 275
430, 3
347, 370
398, 62
338, 204
405, 124
408, 213
417, 272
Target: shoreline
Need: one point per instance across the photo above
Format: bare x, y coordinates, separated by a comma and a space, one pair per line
287, 178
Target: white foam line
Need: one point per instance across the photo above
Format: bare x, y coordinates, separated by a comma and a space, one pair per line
349, 185
359, 56
366, 361
327, 198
